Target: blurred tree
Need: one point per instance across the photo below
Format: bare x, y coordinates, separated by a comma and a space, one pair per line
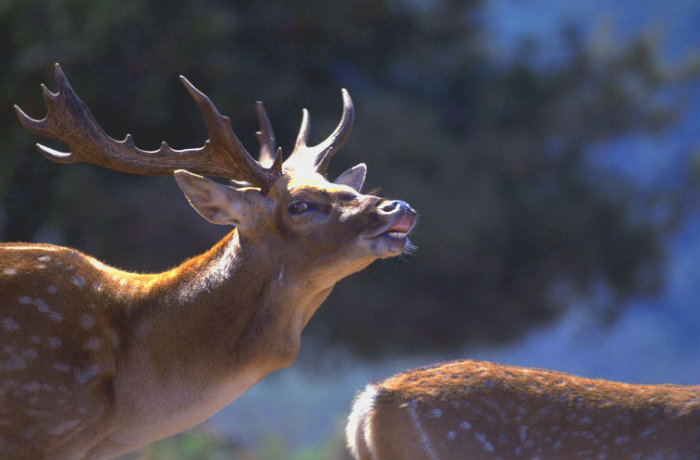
518, 223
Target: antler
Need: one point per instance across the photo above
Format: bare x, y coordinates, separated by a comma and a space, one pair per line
266, 138
69, 121
318, 156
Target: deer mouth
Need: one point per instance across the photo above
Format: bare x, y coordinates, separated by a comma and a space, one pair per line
398, 228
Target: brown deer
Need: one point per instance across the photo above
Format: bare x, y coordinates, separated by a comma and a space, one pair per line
480, 410
96, 361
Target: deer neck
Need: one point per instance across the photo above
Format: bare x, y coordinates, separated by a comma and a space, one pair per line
239, 302
206, 332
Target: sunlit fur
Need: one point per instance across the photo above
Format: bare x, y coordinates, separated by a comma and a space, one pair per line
481, 410
95, 361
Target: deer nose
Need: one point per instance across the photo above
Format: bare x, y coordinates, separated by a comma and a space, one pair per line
396, 205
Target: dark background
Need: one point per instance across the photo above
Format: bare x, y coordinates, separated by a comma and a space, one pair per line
551, 148
520, 219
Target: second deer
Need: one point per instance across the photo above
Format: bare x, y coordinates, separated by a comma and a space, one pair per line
480, 410
96, 361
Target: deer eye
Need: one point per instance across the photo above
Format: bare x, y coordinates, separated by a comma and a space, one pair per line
346, 197
298, 207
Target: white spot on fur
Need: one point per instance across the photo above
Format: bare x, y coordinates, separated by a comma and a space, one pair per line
30, 353
621, 440
87, 321
523, 433
12, 362
29, 433
61, 367
55, 316
79, 281
465, 425
451, 435
32, 386
484, 442
10, 271
435, 413
58, 430
41, 305
44, 258
24, 300
83, 376
94, 343
9, 324
52, 289
142, 329
44, 414
113, 337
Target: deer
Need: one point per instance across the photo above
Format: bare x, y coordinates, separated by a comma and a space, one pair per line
96, 361
481, 410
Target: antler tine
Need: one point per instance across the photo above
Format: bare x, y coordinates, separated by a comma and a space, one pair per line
58, 127
70, 122
266, 137
223, 139
303, 135
318, 156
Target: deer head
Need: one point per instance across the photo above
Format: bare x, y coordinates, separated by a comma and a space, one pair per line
113, 340
273, 204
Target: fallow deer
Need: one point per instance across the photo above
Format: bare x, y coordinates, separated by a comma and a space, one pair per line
479, 410
96, 361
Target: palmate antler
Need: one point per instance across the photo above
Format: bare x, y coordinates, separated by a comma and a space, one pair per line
69, 121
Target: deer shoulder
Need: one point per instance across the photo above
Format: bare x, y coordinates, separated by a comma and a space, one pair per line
96, 361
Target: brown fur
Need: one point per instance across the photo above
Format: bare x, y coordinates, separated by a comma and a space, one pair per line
480, 410
95, 361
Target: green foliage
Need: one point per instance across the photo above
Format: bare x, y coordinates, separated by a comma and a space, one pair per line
205, 443
275, 447
517, 221
200, 443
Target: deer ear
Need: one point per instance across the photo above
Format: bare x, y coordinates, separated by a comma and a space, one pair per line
217, 203
353, 177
